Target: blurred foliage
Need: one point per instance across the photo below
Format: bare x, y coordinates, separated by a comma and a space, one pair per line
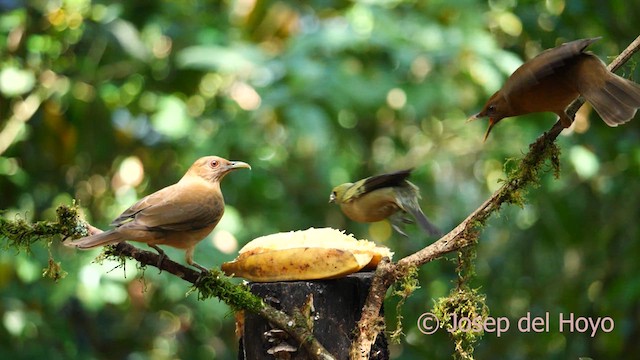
106, 102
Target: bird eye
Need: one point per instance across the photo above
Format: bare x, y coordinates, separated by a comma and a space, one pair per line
214, 164
491, 108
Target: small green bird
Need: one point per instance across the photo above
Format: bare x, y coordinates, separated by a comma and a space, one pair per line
380, 197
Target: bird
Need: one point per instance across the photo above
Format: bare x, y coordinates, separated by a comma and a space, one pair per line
553, 79
179, 215
386, 196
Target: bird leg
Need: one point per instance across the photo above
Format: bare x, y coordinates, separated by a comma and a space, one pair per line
200, 267
399, 230
189, 258
565, 120
398, 220
162, 254
397, 223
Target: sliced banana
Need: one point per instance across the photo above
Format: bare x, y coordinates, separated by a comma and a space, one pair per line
304, 255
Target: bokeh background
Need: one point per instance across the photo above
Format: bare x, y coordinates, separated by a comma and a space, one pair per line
106, 102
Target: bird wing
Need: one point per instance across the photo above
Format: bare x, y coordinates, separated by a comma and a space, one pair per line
173, 209
376, 182
142, 204
545, 64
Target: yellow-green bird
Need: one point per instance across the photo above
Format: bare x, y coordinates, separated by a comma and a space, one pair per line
387, 196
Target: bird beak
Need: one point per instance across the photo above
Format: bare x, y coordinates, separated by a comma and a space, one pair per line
491, 124
332, 198
233, 165
480, 115
474, 117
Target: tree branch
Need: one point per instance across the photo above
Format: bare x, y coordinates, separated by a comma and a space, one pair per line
466, 233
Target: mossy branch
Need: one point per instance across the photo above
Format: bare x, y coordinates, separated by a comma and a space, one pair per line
525, 174
21, 235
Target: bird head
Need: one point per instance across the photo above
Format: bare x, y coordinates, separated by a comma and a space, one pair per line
337, 194
496, 109
214, 168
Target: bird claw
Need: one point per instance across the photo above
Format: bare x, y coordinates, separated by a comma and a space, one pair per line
399, 230
162, 255
203, 273
159, 264
202, 269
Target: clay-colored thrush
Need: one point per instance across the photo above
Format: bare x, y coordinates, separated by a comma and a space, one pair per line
380, 197
554, 78
180, 215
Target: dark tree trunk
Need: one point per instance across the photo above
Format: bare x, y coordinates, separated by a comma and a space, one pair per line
335, 309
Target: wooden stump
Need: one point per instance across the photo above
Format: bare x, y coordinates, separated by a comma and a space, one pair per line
335, 304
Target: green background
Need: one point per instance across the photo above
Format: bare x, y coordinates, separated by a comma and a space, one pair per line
125, 96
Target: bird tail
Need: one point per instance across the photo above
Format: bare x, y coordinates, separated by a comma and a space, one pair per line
616, 101
407, 197
101, 239
424, 223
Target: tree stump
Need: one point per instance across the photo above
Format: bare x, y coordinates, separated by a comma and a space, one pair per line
335, 307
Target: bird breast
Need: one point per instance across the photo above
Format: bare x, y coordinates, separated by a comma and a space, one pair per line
373, 206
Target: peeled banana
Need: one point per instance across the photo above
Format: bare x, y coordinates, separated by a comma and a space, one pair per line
305, 255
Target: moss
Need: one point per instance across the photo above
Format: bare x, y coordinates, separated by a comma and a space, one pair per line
216, 284
69, 222
466, 267
303, 320
307, 312
403, 288
20, 235
526, 172
54, 270
463, 302
110, 252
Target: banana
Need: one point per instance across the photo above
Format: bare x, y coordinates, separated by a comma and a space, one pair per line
304, 255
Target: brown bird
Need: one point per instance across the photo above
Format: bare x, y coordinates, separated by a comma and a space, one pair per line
556, 77
180, 215
380, 197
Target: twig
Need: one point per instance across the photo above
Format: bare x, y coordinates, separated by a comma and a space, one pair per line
466, 232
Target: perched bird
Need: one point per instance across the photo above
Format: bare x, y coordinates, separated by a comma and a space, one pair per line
180, 215
554, 78
380, 197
